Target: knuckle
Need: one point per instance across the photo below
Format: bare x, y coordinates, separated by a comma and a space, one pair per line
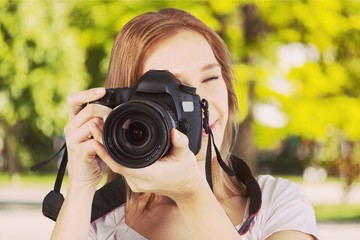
70, 98
67, 129
94, 144
97, 121
186, 140
70, 142
94, 129
91, 125
90, 109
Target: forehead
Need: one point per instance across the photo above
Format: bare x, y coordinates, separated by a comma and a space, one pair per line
184, 50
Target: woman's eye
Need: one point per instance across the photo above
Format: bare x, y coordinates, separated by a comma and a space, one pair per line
210, 79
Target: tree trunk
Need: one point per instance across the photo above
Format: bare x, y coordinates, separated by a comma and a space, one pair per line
252, 29
10, 150
245, 147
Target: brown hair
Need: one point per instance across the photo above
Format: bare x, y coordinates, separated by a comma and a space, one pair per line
141, 33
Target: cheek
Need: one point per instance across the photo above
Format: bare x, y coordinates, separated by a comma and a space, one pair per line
217, 96
222, 102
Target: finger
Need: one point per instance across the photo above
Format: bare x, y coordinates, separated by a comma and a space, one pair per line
88, 150
102, 153
90, 112
85, 163
179, 141
76, 101
96, 130
91, 129
81, 152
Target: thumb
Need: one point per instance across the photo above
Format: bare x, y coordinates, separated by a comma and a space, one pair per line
179, 141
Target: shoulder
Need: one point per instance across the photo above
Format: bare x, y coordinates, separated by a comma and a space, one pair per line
284, 207
279, 189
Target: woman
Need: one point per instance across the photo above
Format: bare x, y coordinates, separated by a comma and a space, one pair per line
171, 198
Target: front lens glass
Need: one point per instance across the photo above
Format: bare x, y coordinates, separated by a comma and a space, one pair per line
136, 133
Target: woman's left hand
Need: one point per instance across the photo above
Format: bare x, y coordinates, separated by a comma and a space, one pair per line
176, 175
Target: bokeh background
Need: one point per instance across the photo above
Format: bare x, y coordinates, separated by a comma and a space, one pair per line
297, 66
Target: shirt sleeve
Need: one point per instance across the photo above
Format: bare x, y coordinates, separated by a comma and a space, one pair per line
92, 232
288, 208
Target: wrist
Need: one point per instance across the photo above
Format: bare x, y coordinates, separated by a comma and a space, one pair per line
78, 190
199, 192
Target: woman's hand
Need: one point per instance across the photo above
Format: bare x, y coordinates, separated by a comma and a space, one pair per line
84, 167
176, 175
83, 129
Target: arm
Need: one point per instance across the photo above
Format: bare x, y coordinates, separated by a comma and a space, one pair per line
205, 216
74, 218
84, 168
290, 234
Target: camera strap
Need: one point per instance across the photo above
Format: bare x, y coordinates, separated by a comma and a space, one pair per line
107, 198
113, 194
54, 199
238, 168
208, 160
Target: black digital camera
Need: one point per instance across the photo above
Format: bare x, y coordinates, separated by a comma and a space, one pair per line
137, 132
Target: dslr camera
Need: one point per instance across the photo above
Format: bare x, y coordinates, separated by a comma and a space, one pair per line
137, 131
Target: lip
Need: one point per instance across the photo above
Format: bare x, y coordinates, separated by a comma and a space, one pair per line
213, 128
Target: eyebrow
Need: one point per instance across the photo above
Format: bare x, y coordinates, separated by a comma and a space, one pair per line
210, 66
204, 68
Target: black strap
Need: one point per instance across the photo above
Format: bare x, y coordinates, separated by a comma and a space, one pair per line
62, 170
239, 169
244, 175
42, 164
107, 198
54, 199
208, 160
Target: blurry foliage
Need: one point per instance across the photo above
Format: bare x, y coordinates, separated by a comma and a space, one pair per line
323, 102
302, 58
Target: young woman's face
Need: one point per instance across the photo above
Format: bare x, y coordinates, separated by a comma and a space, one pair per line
190, 58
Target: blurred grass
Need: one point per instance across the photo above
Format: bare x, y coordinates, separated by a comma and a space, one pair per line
31, 179
337, 213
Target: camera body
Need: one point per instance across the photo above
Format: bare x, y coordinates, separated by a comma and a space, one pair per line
137, 131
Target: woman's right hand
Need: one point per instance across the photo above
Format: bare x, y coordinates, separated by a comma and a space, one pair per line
85, 126
84, 167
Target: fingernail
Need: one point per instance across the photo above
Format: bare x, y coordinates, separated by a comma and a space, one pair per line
176, 134
100, 90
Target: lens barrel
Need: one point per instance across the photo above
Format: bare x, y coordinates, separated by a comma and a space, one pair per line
137, 133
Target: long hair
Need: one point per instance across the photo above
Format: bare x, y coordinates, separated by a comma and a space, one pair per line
140, 34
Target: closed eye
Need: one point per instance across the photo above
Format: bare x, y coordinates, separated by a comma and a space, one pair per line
212, 78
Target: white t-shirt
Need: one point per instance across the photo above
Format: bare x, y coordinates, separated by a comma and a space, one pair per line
284, 207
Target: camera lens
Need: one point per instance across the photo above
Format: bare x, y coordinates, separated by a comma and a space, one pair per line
137, 133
